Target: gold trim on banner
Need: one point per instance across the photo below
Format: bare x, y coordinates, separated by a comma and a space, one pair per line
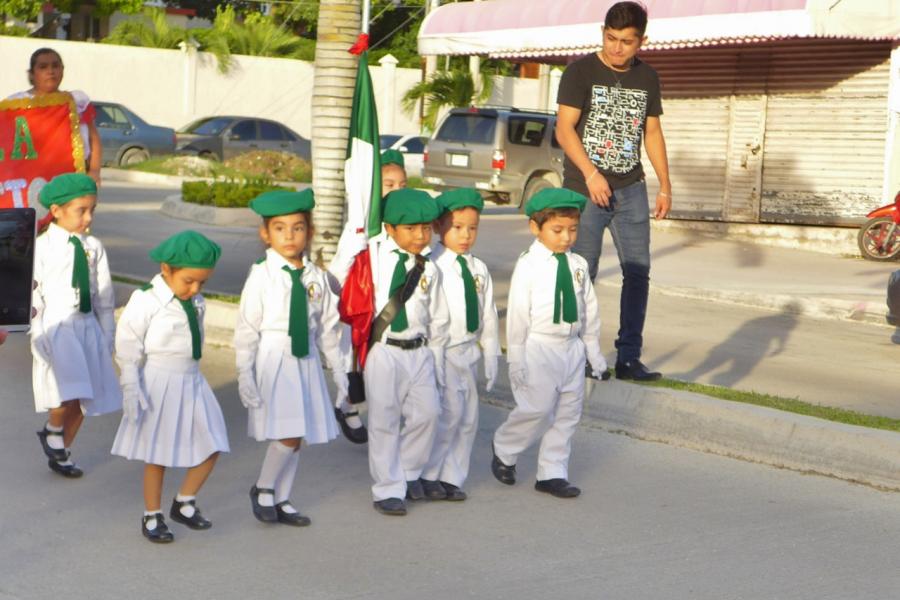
55, 99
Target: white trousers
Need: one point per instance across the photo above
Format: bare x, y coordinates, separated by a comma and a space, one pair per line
548, 408
403, 413
458, 422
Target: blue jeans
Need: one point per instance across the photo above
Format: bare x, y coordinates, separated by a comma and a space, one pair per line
628, 218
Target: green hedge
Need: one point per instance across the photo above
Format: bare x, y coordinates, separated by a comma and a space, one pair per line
225, 194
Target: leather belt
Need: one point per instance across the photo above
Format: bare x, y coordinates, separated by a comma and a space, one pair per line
406, 344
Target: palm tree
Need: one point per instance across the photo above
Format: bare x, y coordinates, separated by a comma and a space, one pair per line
446, 89
335, 76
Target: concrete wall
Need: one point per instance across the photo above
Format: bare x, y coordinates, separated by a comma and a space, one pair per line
174, 87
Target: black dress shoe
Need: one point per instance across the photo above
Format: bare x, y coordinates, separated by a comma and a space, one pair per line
502, 472
357, 435
288, 518
433, 489
52, 453
636, 370
72, 471
414, 490
557, 487
454, 494
266, 514
395, 507
195, 522
159, 534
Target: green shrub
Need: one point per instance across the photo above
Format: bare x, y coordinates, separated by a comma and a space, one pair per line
226, 194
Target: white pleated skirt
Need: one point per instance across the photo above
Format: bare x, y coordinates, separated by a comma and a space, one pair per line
184, 424
80, 368
295, 398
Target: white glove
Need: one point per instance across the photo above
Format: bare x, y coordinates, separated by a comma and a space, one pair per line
342, 383
247, 390
133, 401
598, 364
490, 370
352, 243
40, 346
518, 375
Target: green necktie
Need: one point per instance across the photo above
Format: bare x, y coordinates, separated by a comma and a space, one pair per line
188, 307
565, 292
298, 321
398, 279
471, 296
81, 275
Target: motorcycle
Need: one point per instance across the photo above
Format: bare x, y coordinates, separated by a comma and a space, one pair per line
879, 237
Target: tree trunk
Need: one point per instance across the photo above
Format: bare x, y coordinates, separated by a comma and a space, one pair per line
335, 76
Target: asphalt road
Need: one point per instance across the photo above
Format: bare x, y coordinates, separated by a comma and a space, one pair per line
653, 522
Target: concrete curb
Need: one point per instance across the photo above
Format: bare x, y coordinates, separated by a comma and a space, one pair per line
836, 241
743, 431
173, 206
865, 311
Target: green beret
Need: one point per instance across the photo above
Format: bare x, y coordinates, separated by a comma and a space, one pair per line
283, 202
408, 207
555, 198
67, 187
461, 198
187, 249
392, 157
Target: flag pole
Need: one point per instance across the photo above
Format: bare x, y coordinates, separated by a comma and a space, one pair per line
366, 12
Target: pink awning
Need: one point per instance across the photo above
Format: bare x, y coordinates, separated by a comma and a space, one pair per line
541, 28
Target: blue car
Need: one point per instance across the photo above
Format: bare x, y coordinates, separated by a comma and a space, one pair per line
127, 139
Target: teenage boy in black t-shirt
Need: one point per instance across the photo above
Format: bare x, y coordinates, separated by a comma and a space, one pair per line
608, 103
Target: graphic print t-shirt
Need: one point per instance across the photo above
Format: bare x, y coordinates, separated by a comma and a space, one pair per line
614, 109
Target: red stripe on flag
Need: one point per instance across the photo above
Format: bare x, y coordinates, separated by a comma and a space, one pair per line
357, 305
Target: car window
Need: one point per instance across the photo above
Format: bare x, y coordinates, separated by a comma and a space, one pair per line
415, 145
110, 116
468, 127
244, 130
289, 135
270, 131
209, 126
386, 141
526, 131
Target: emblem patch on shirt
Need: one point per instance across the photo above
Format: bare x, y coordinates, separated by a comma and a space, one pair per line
425, 283
579, 276
479, 283
314, 291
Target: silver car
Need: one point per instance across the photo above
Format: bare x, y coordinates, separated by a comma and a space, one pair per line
506, 153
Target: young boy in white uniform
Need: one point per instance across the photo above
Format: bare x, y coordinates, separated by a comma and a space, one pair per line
552, 326
405, 365
469, 292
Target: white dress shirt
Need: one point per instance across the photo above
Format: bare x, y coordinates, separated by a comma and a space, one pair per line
531, 303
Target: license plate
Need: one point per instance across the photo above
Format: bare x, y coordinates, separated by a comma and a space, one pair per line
458, 160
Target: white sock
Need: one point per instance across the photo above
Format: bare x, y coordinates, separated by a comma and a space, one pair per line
286, 480
151, 524
277, 456
68, 462
187, 509
355, 422
55, 441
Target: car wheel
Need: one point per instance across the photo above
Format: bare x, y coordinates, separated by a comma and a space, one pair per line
534, 185
207, 155
133, 156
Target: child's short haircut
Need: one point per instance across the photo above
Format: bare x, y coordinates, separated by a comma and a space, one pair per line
307, 215
623, 15
542, 216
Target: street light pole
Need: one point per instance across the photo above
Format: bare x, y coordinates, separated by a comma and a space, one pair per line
366, 12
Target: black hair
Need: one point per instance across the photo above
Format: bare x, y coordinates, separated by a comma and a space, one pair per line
623, 15
34, 58
542, 216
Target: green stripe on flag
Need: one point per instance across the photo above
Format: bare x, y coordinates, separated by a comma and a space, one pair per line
364, 127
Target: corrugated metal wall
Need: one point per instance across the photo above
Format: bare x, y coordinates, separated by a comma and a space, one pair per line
788, 132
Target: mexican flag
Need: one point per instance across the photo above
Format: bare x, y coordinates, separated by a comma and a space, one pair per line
362, 181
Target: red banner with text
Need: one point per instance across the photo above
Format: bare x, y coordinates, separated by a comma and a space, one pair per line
39, 139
